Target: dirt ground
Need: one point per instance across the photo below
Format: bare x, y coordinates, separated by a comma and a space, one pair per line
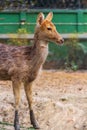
60, 101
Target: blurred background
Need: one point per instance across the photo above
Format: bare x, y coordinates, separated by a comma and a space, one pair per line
70, 17
54, 4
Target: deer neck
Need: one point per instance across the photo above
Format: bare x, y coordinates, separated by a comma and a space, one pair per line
41, 48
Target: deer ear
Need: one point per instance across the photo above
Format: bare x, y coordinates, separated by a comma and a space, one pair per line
40, 18
49, 16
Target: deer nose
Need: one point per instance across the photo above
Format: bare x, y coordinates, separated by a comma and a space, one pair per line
61, 41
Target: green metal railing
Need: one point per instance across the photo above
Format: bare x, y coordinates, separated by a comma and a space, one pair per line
66, 21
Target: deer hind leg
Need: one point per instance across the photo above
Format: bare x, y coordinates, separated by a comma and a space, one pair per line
28, 91
16, 91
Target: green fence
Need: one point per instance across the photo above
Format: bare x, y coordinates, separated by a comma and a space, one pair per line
66, 21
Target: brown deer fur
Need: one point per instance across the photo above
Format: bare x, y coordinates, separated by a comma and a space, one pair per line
21, 64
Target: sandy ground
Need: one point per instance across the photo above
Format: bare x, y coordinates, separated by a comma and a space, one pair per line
60, 101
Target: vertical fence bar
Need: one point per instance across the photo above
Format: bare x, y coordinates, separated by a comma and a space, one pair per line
80, 21
22, 19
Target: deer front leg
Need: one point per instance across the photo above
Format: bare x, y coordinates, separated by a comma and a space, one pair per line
28, 90
16, 91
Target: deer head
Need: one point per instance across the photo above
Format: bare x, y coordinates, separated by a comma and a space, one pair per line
46, 30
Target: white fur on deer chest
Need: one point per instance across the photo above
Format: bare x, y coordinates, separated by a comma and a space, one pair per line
44, 50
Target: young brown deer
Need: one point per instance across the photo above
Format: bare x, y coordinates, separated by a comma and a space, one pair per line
22, 64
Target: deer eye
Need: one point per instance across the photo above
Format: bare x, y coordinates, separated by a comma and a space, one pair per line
49, 28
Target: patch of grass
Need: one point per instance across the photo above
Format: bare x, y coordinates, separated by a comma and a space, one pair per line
4, 124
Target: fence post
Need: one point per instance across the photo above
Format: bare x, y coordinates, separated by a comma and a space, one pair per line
80, 21
22, 19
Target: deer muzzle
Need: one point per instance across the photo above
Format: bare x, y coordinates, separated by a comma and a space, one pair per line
61, 41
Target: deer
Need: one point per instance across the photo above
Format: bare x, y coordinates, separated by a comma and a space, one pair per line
21, 64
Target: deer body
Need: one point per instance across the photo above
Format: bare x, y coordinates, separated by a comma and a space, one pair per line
18, 62
22, 64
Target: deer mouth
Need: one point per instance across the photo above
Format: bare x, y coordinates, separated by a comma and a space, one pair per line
60, 41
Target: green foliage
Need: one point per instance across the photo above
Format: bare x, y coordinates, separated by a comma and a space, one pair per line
15, 4
75, 53
18, 40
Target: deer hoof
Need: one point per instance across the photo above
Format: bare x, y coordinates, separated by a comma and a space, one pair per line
16, 121
17, 127
36, 126
33, 120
